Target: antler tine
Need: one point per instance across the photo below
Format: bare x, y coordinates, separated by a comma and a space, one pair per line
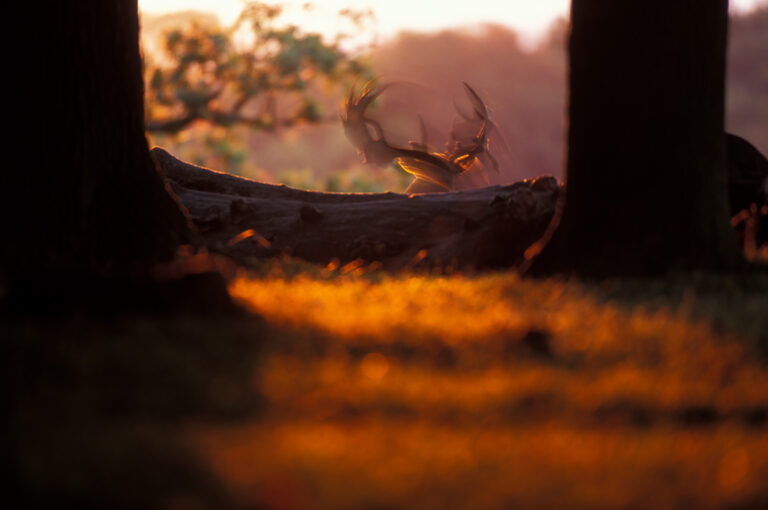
369, 93
477, 103
356, 125
356, 106
422, 131
350, 97
467, 154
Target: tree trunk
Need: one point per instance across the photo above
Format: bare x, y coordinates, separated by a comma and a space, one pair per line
646, 181
95, 202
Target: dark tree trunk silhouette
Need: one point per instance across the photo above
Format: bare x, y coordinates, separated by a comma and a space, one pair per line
646, 181
97, 216
96, 202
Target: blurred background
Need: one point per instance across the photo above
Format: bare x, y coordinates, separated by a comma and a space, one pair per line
256, 89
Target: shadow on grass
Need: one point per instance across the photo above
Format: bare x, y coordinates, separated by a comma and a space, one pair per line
98, 406
728, 303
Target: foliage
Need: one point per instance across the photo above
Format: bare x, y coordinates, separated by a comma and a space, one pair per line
234, 75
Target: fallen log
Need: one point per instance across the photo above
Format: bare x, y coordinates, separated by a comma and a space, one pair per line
484, 228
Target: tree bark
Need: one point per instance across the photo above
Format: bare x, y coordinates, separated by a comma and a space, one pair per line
646, 181
94, 200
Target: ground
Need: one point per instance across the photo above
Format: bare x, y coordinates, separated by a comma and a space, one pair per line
359, 389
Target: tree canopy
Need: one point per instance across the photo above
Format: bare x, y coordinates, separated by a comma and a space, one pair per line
235, 75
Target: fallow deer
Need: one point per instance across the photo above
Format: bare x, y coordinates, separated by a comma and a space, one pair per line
467, 149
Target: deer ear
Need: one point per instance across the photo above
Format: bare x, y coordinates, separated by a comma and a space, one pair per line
477, 103
422, 132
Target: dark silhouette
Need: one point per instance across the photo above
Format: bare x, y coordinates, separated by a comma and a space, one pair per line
97, 215
747, 174
657, 110
98, 203
91, 400
747, 192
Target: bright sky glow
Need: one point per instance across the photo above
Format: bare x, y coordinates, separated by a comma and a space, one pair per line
529, 17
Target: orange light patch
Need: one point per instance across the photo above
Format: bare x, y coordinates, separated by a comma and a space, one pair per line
375, 366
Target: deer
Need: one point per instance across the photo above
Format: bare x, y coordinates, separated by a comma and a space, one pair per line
468, 148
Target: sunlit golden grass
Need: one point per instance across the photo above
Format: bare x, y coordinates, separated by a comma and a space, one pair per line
492, 392
397, 464
453, 309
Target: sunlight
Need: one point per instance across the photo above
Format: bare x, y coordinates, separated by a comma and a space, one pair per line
450, 308
531, 19
496, 313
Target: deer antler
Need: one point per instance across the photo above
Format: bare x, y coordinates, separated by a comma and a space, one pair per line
432, 171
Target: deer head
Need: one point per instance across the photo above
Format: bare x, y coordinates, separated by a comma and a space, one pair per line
432, 171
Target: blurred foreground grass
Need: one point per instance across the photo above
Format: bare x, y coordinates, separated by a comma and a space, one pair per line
96, 405
417, 391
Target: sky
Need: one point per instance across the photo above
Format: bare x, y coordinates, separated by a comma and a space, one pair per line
530, 18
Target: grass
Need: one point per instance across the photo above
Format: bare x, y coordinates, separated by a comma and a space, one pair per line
96, 406
495, 392
360, 389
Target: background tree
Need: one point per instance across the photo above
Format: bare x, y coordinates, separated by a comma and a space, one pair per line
204, 73
646, 182
238, 75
